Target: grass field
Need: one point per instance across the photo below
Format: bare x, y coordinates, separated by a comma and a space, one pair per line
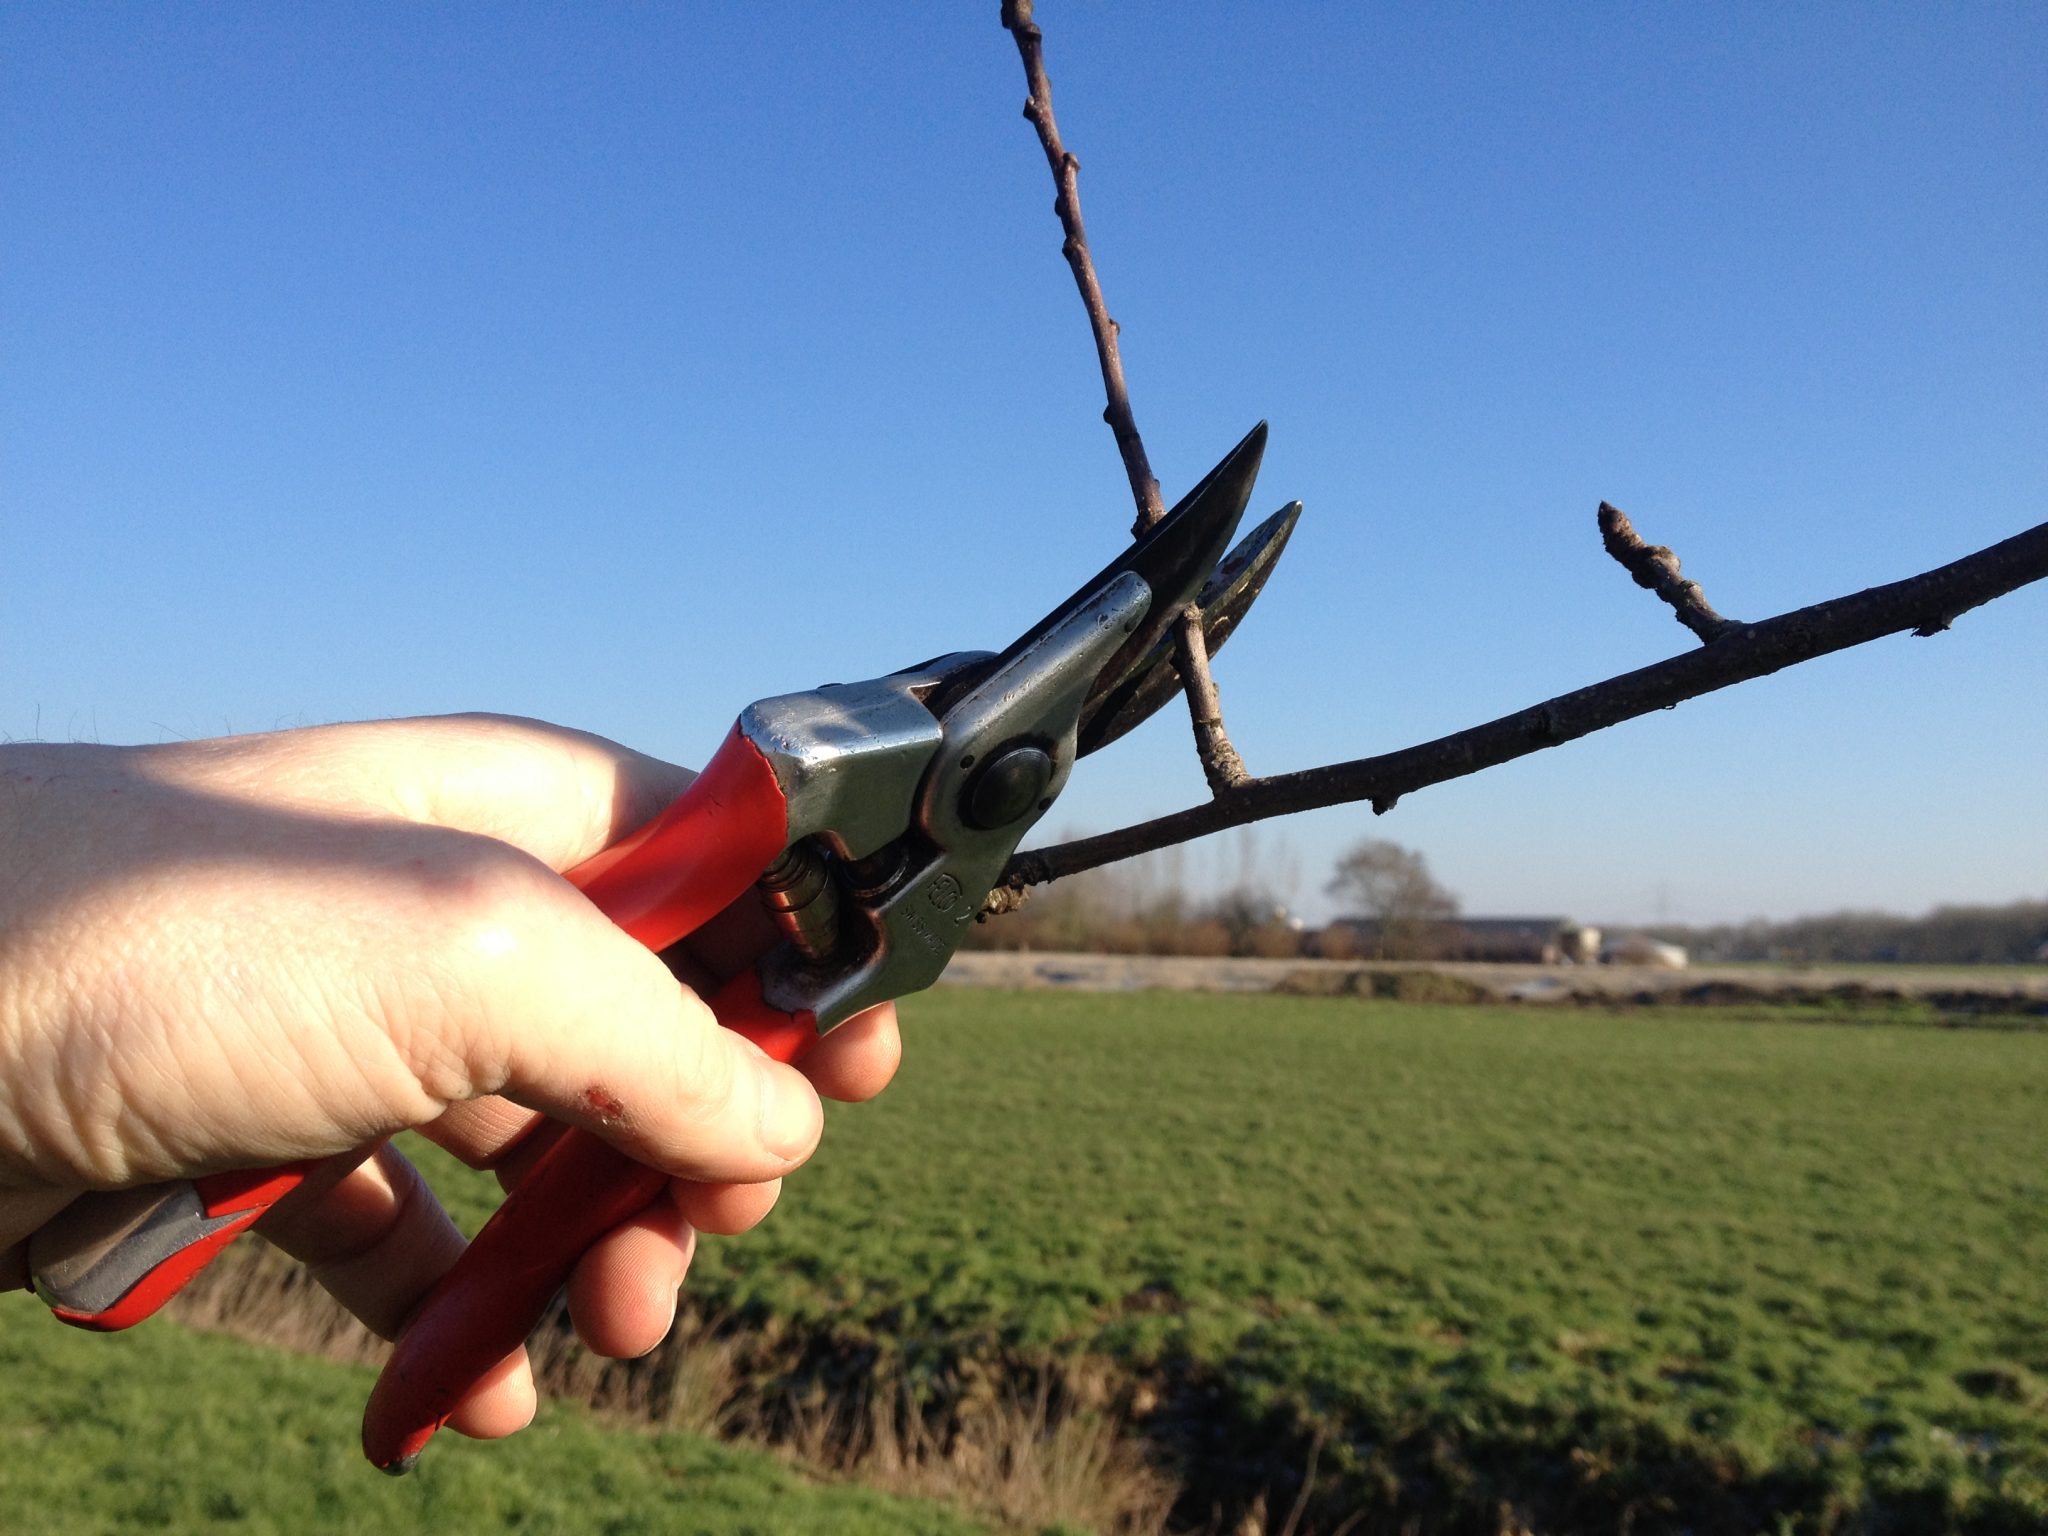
167, 1431
1482, 1268
1692, 1269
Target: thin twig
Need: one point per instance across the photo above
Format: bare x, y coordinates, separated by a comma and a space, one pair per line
1655, 567
1925, 604
1221, 765
1066, 177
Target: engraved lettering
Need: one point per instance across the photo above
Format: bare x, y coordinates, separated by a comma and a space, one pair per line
932, 941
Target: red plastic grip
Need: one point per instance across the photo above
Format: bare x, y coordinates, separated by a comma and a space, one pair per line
697, 857
659, 884
245, 1193
147, 1296
249, 1189
483, 1308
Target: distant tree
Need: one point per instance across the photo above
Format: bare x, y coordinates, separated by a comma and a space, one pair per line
1256, 921
1393, 887
2005, 935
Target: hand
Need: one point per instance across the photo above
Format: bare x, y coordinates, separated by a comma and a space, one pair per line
262, 949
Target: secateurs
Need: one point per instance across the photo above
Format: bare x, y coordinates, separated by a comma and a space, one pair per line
869, 818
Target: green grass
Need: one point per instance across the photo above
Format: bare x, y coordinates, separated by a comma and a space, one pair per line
1695, 1269
165, 1430
1581, 1261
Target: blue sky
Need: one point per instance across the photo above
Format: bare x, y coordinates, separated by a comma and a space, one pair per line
621, 364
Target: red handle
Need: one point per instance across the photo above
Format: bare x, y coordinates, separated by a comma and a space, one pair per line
108, 1260
697, 857
661, 883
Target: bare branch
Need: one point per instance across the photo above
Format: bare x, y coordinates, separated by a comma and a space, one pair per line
1067, 204
1655, 567
1221, 765
1924, 604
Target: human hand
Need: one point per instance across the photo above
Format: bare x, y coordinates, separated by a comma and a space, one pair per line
265, 949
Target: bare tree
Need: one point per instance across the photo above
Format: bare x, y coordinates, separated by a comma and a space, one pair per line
1730, 650
1393, 887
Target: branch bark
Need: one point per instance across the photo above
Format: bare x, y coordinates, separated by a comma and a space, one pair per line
1925, 604
1221, 765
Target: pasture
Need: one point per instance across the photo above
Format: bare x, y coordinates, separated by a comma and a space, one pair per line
1693, 1268
1446, 1268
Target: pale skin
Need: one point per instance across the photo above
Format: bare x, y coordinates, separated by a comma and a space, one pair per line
250, 951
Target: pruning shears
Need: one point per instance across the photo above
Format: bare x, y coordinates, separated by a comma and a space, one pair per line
869, 818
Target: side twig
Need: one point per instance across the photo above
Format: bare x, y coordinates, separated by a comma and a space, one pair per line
1924, 604
1655, 567
1221, 765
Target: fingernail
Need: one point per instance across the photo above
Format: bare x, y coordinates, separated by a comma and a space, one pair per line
790, 1116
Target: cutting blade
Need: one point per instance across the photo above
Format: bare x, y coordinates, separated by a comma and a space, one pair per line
1124, 703
1173, 557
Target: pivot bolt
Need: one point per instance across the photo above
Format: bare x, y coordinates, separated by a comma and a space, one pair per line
1008, 786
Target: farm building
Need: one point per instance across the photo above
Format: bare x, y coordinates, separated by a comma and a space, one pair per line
1501, 940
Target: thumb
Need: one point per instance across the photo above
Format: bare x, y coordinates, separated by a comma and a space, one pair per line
610, 1042
571, 1017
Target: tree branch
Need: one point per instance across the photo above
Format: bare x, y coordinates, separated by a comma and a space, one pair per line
1654, 566
1925, 604
1221, 765
1066, 178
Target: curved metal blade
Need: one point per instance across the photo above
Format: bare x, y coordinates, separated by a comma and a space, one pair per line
1173, 557
1225, 599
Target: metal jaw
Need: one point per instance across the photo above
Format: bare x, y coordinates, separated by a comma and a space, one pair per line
921, 811
908, 794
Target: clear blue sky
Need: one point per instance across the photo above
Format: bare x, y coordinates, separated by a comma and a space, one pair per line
619, 365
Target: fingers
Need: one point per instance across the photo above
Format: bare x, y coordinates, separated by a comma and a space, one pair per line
622, 1293
482, 1132
851, 1063
855, 1061
377, 1241
724, 1209
490, 975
